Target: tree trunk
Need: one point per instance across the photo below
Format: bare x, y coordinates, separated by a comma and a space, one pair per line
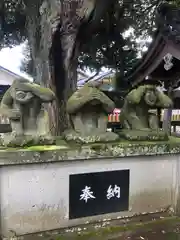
51, 67
59, 120
53, 27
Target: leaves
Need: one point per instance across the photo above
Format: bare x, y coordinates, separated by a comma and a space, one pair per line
12, 23
109, 47
113, 49
27, 63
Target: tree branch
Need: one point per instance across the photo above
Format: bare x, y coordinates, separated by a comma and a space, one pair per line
90, 78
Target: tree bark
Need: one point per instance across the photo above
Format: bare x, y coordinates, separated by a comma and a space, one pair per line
53, 27
47, 48
59, 120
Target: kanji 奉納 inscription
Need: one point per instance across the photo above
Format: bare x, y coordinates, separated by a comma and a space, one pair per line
98, 193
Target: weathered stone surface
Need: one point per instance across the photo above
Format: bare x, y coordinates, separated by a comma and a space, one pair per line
141, 135
136, 113
91, 137
22, 104
65, 152
87, 94
88, 108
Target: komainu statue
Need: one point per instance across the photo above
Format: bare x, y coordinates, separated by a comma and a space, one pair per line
137, 118
22, 104
88, 108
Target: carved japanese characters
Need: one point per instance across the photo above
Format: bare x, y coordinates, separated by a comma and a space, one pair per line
22, 104
88, 108
136, 112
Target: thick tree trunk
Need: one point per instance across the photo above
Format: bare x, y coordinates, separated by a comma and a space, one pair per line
53, 26
63, 80
59, 120
51, 67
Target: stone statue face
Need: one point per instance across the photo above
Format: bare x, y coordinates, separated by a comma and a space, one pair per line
150, 97
23, 97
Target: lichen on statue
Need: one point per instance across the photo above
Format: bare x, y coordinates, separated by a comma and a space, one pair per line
23, 105
137, 119
88, 108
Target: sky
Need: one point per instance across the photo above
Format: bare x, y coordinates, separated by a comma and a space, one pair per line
11, 58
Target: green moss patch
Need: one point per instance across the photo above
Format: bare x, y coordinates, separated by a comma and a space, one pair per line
61, 144
105, 233
102, 232
46, 148
36, 148
63, 151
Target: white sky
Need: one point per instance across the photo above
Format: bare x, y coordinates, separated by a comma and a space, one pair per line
11, 58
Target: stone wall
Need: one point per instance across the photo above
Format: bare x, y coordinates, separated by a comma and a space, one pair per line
35, 194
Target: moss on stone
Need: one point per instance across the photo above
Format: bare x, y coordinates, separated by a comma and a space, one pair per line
41, 90
61, 144
98, 151
136, 112
46, 148
85, 95
139, 135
